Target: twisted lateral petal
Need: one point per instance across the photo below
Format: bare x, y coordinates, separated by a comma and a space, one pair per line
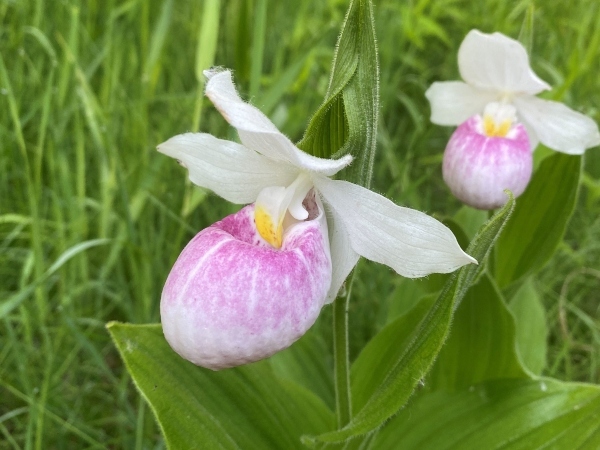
496, 62
232, 299
343, 257
558, 126
230, 170
409, 241
258, 133
453, 102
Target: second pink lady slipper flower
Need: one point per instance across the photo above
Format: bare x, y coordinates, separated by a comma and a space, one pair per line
500, 120
253, 283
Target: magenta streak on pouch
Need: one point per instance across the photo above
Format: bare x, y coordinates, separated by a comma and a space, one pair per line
478, 168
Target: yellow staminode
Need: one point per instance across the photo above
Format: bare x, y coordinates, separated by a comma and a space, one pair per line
493, 129
273, 205
270, 231
498, 119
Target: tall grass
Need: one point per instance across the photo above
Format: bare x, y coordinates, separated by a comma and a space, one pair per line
92, 217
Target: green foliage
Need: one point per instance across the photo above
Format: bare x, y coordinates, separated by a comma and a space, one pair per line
346, 122
206, 49
482, 343
308, 363
246, 407
507, 414
380, 355
540, 219
531, 327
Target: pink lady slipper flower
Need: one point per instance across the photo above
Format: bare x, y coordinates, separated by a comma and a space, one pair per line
253, 283
500, 121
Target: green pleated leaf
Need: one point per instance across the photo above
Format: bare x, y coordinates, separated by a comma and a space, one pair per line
532, 329
540, 219
378, 358
481, 345
405, 367
328, 130
245, 407
501, 414
346, 122
309, 363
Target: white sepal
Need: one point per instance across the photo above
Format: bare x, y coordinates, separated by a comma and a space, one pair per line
411, 242
230, 170
258, 133
557, 126
453, 102
497, 62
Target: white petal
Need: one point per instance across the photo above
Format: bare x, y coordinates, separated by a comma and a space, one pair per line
497, 62
453, 102
558, 126
343, 257
258, 133
409, 241
230, 170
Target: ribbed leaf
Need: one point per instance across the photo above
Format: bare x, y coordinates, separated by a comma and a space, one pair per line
502, 414
532, 330
540, 219
377, 360
308, 362
245, 407
481, 345
404, 372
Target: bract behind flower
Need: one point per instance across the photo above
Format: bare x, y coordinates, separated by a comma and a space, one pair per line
231, 298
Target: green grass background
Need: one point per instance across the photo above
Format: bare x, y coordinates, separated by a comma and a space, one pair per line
92, 217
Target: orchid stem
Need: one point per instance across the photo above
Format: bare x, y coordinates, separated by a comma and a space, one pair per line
341, 355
